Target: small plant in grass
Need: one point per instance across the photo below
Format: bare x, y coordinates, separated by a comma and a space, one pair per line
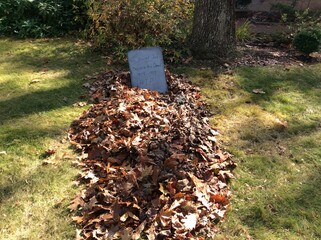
308, 40
243, 32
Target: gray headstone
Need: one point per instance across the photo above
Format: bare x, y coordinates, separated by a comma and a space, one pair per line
147, 69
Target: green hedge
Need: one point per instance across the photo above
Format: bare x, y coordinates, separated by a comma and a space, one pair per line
41, 18
308, 40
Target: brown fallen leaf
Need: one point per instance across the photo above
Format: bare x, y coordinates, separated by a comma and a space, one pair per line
76, 203
150, 161
78, 235
48, 162
124, 217
59, 203
219, 198
78, 219
199, 184
281, 123
50, 151
165, 218
67, 156
86, 85
258, 91
126, 234
139, 231
189, 221
34, 81
80, 104
3, 153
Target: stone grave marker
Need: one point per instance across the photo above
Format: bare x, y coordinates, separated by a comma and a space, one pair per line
147, 69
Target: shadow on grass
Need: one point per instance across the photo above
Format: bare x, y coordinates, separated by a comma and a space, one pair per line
278, 191
20, 137
38, 101
27, 135
53, 55
22, 184
272, 80
296, 206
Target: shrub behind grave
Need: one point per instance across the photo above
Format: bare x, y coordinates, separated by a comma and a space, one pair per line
308, 40
123, 25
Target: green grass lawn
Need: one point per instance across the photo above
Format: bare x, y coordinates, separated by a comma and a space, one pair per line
40, 80
275, 138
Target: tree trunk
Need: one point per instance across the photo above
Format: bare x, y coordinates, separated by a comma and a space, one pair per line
213, 35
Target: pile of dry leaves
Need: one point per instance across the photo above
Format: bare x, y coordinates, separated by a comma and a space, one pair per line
152, 165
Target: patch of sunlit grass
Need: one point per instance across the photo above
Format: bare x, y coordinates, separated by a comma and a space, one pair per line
276, 139
34, 116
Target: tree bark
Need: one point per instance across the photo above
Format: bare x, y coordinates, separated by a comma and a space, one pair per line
213, 35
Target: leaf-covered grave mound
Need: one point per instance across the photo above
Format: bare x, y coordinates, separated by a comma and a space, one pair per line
152, 165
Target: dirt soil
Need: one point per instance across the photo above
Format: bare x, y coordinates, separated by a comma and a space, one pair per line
262, 50
260, 53
267, 54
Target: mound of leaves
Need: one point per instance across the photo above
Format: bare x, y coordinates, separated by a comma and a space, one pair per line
151, 163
